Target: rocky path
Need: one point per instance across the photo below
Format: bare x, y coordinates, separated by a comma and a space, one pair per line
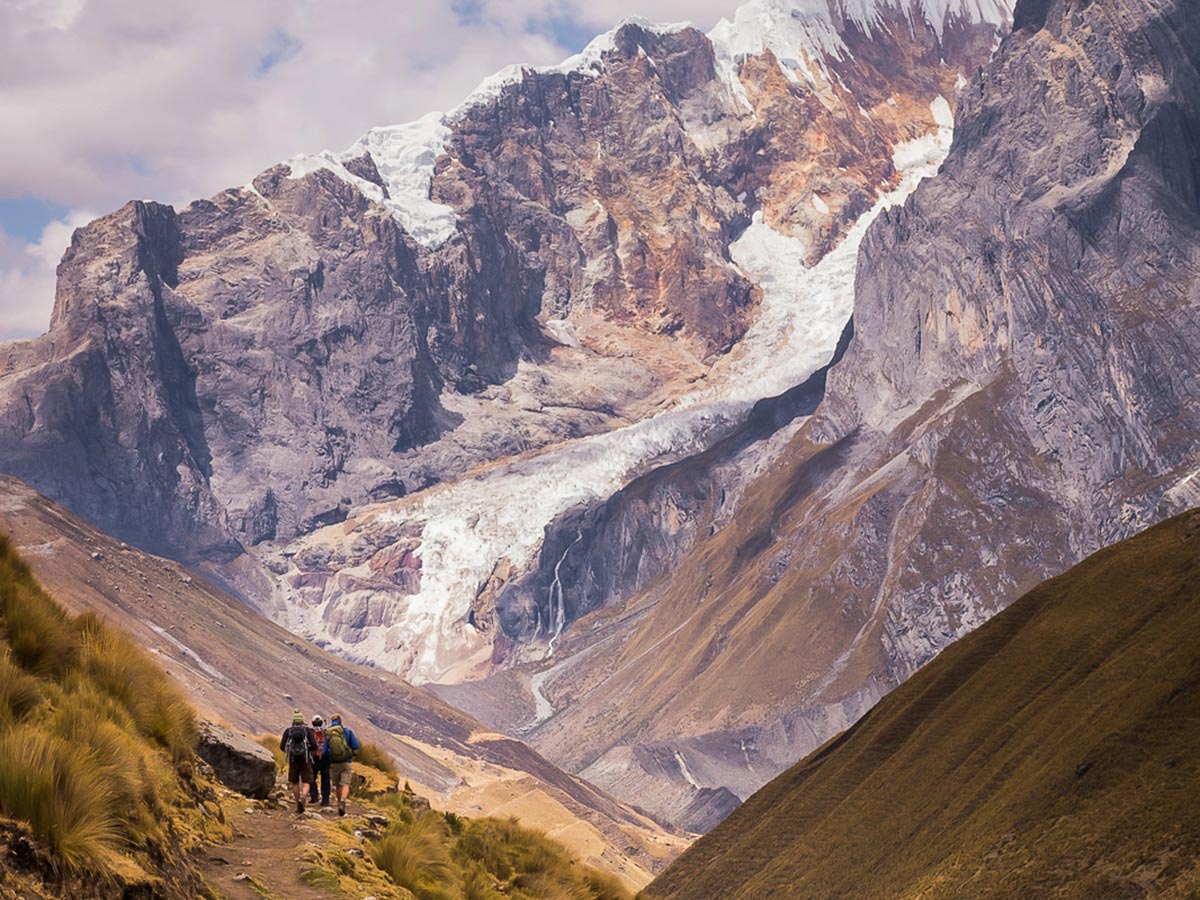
267, 857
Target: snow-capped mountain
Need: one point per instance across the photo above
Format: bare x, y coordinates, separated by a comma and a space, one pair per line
403, 397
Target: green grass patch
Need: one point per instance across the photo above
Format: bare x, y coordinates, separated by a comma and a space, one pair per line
321, 878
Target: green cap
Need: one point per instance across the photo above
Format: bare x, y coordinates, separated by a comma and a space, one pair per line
297, 719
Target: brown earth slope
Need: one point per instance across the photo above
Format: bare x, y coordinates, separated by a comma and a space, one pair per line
1050, 754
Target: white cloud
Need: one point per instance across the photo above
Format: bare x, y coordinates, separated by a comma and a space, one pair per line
109, 100
27, 276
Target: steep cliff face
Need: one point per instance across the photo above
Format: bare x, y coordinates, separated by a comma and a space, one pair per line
1021, 389
442, 584
1051, 272
104, 408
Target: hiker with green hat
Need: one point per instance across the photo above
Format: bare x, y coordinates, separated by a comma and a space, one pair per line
299, 746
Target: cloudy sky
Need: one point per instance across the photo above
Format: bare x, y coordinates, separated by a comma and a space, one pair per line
104, 101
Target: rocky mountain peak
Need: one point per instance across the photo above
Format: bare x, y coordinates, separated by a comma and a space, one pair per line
805, 33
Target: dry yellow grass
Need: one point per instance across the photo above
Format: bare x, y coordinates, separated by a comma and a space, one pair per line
376, 757
95, 742
439, 856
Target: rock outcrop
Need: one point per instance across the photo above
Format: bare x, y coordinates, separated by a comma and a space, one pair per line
240, 764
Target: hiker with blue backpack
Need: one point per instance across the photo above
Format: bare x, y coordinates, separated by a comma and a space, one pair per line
320, 764
299, 746
341, 744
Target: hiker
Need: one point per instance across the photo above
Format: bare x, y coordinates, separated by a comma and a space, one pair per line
300, 748
341, 744
320, 763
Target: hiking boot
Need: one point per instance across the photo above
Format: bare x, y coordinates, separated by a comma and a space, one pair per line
299, 807
341, 807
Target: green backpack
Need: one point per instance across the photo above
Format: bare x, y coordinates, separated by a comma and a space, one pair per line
339, 747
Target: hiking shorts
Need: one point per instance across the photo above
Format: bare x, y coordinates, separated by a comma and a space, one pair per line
300, 770
340, 774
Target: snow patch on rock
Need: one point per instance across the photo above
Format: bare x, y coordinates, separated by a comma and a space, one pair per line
405, 156
920, 154
589, 60
802, 34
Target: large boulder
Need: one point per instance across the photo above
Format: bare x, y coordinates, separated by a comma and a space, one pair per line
241, 764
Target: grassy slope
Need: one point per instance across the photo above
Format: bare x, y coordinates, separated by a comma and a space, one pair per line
1055, 752
393, 846
98, 791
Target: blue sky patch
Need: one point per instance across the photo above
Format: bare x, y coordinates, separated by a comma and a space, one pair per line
468, 12
566, 31
25, 217
281, 47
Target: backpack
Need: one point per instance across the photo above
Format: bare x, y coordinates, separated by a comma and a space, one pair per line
339, 747
319, 735
296, 748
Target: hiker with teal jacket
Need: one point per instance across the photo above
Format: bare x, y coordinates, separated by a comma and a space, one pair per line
341, 745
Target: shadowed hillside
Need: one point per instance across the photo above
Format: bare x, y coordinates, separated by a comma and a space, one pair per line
1051, 753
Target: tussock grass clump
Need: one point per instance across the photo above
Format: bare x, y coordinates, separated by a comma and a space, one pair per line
35, 629
418, 857
95, 741
376, 757
437, 856
111, 663
271, 742
48, 783
19, 693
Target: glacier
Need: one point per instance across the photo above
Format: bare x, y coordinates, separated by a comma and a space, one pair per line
469, 527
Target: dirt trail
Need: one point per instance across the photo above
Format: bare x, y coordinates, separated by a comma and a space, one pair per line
266, 857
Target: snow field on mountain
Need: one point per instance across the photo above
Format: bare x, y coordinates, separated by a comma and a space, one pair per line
405, 156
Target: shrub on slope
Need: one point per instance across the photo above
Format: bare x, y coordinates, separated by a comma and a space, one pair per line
439, 856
